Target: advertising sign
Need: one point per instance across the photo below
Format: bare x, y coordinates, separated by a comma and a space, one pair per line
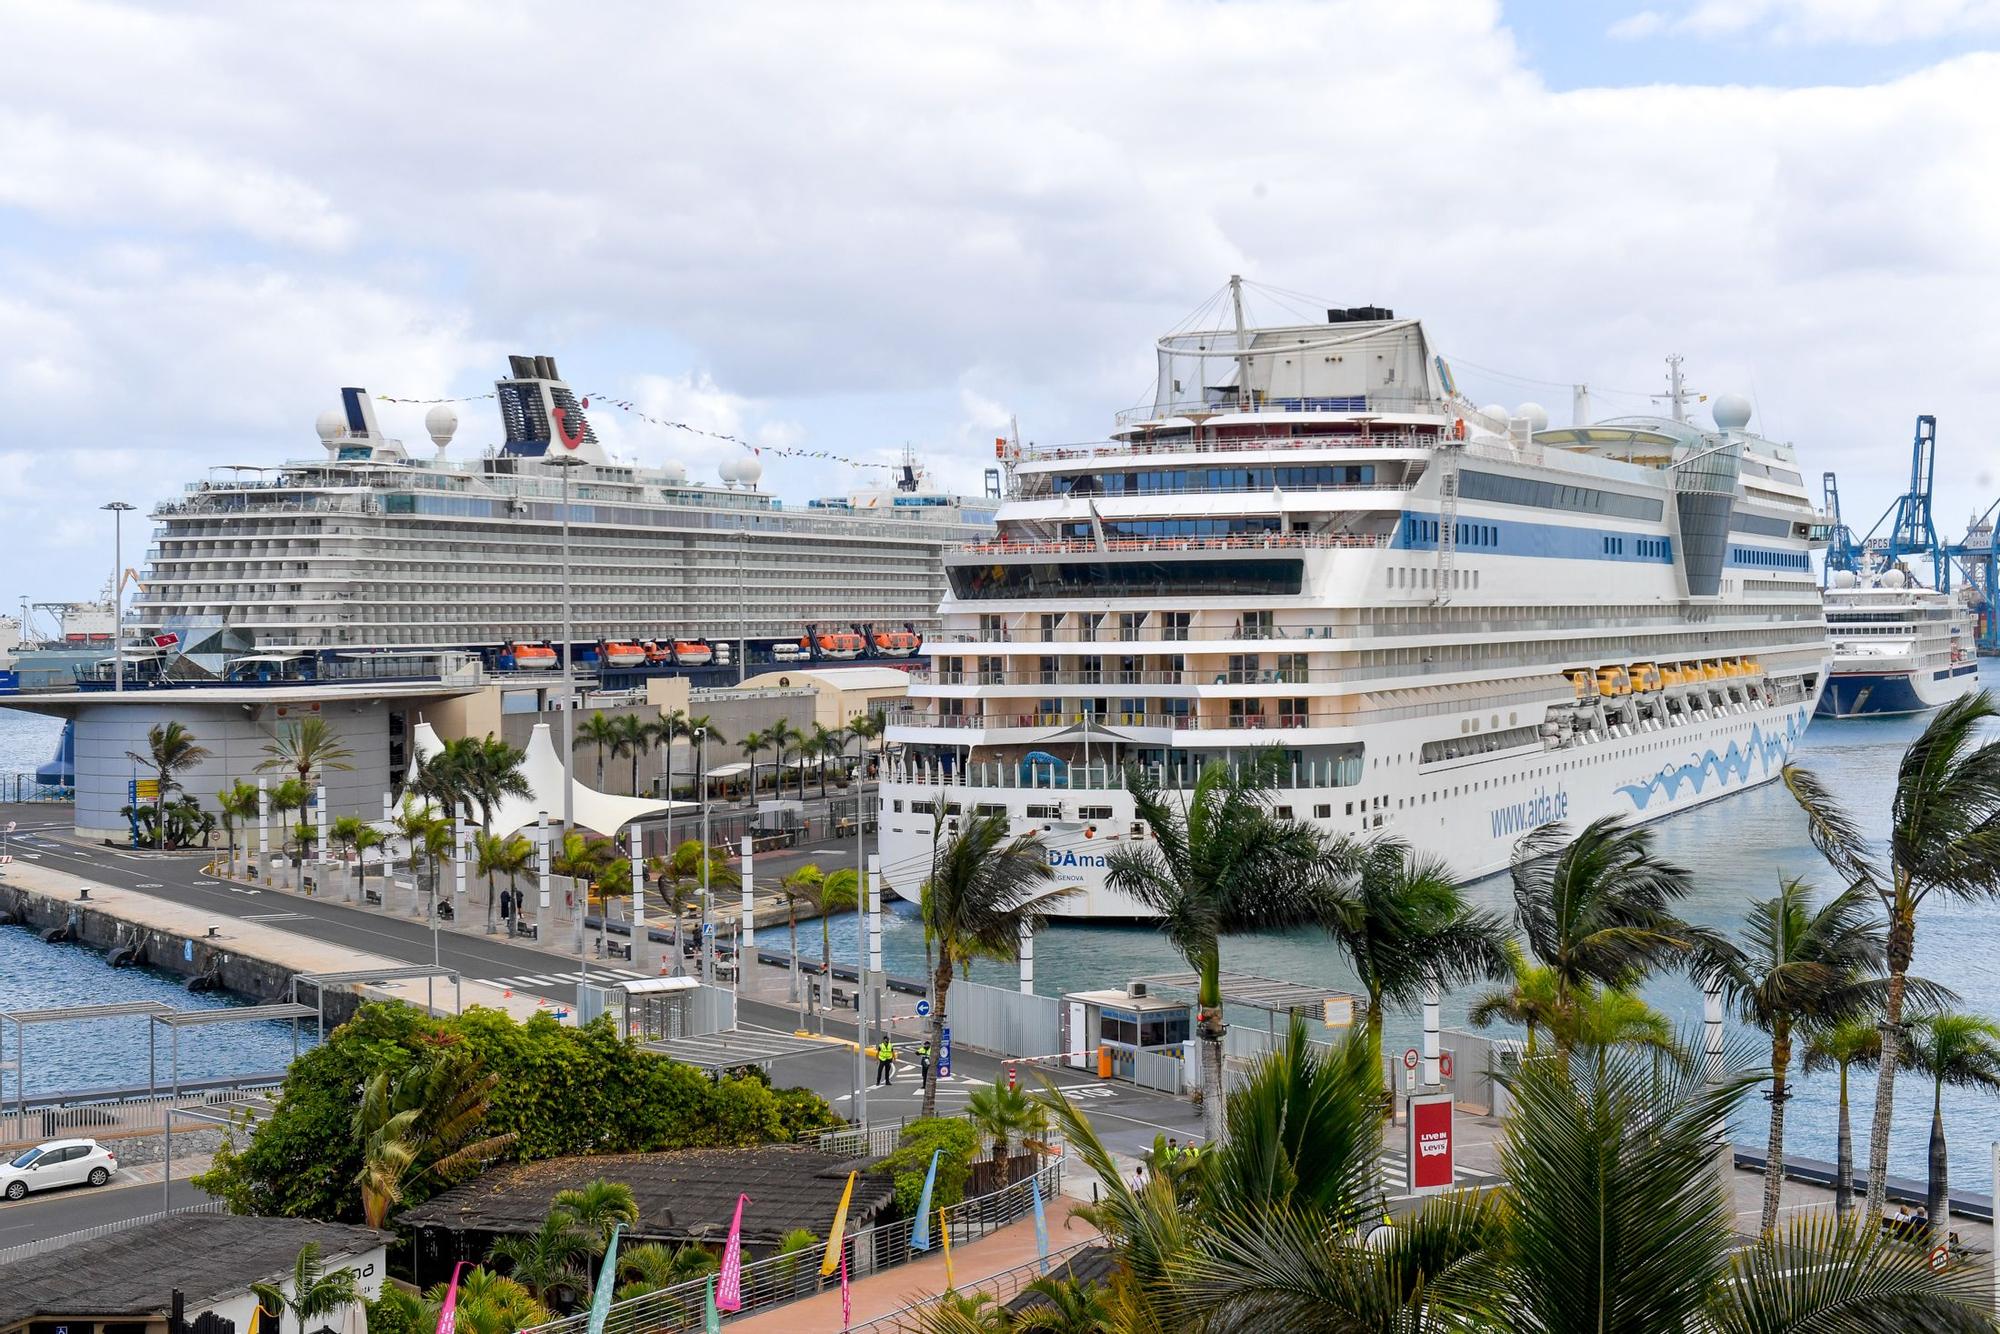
1430, 1145
944, 1052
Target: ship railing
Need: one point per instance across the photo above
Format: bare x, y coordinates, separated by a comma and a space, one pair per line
1003, 775
1184, 447
1152, 545
1286, 405
1026, 489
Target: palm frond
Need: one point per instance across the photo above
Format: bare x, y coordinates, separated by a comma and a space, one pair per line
1821, 1276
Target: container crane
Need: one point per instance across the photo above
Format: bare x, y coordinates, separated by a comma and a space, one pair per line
1911, 531
1842, 551
1978, 558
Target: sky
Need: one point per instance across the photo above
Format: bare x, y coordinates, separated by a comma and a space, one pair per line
863, 226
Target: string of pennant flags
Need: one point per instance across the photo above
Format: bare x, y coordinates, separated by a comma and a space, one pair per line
632, 409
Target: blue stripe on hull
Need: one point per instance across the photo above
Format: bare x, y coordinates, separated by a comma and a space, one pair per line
1861, 696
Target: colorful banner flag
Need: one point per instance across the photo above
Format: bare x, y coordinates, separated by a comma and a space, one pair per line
835, 1257
846, 1301
944, 1239
920, 1231
1041, 1222
729, 1294
448, 1314
711, 1318
256, 1316
607, 1279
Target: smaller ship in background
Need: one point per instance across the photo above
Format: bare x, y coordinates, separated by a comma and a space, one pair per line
1898, 647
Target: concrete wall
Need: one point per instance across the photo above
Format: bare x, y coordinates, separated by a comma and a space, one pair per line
235, 735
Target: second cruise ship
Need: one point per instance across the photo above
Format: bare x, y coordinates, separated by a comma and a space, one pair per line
1454, 623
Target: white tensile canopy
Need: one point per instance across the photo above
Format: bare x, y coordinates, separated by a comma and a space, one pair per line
601, 812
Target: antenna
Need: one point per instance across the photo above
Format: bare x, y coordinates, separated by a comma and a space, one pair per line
1677, 393
1243, 397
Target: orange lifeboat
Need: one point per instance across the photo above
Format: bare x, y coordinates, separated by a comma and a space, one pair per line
621, 655
658, 654
693, 652
896, 643
839, 644
532, 657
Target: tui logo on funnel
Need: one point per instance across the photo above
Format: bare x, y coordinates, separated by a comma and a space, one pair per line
562, 428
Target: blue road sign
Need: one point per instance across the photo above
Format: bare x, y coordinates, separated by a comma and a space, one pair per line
923, 1009
944, 1052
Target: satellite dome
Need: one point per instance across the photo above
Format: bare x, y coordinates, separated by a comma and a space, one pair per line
331, 425
1495, 411
1731, 412
442, 423
1537, 415
726, 470
674, 472
749, 470
1843, 579
1894, 579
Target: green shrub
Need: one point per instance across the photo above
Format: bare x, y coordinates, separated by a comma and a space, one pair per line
559, 1090
912, 1159
394, 1312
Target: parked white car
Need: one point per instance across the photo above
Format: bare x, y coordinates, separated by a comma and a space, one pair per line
59, 1162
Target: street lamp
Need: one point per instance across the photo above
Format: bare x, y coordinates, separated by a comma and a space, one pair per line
563, 463
118, 510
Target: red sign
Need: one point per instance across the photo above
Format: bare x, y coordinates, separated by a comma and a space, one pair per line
1410, 1059
166, 640
1430, 1144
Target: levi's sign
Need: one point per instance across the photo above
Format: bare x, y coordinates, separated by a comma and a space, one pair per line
1430, 1144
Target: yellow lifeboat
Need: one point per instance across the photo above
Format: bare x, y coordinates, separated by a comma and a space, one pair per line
1645, 676
1581, 681
1671, 675
1613, 681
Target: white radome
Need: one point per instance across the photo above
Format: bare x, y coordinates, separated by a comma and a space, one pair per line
1537, 415
1731, 412
726, 470
441, 422
1495, 411
749, 470
331, 424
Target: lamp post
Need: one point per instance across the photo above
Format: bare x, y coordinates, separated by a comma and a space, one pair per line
118, 510
707, 939
563, 463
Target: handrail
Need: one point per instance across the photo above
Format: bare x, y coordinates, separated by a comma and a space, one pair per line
1238, 542
1001, 1286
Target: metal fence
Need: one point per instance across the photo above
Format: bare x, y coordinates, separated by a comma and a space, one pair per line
26, 788
1005, 1022
1474, 1060
1003, 1287
778, 1279
1158, 1070
109, 1117
28, 1248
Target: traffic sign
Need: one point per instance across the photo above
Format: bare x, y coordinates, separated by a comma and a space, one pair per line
944, 1052
1410, 1058
1940, 1258
923, 1009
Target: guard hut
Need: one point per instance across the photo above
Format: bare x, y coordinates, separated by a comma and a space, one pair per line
658, 1008
1127, 1034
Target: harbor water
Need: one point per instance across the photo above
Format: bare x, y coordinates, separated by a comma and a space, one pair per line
1737, 850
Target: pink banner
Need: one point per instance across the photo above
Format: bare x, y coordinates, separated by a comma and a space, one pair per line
448, 1314
729, 1297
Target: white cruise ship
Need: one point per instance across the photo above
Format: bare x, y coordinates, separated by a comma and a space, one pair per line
1898, 647
370, 547
1454, 623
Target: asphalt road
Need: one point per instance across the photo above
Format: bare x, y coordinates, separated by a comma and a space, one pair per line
57, 1213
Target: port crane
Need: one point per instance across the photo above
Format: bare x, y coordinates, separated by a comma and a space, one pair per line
1978, 557
1911, 533
1842, 551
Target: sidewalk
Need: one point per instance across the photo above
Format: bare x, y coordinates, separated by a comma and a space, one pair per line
891, 1290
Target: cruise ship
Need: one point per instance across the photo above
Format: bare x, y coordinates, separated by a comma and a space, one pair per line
1898, 647
1454, 623
369, 547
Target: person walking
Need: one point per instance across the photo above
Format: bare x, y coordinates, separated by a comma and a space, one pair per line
885, 1058
924, 1061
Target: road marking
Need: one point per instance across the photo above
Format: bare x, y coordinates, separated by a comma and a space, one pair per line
149, 884
272, 917
204, 882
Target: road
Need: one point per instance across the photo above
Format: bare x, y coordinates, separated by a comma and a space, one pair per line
60, 1212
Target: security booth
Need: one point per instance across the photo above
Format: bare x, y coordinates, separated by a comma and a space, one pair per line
649, 1008
1126, 1034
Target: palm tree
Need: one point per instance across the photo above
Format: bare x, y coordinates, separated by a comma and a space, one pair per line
171, 751
1799, 968
494, 855
237, 803
680, 877
793, 889
444, 778
346, 833
549, 1260
652, 1267
1856, 1043
1224, 865
488, 1303
1962, 1050
365, 838
1005, 1115
307, 748
426, 834
312, 1292
867, 728
635, 739
1069, 1305
1596, 908
288, 796
1406, 928
702, 723
780, 736
599, 731
663, 732
835, 893
596, 1208
387, 1136
827, 744
752, 746
1940, 842
1592, 1017
488, 771
984, 892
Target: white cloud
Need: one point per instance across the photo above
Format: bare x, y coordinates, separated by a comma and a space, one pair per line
1645, 23
849, 226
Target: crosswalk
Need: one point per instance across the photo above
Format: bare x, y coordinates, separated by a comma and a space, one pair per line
530, 981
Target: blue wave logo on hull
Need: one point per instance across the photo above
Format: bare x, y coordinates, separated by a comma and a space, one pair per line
1769, 752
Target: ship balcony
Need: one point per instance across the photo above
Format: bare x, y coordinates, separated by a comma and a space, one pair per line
973, 553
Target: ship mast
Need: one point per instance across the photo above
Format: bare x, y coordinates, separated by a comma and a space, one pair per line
1243, 401
1677, 393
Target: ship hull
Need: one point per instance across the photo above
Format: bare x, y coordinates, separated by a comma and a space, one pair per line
1885, 694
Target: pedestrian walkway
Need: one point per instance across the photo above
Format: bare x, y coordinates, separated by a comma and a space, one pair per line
528, 982
892, 1290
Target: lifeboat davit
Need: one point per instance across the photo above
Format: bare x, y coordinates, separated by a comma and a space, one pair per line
896, 643
693, 652
839, 644
621, 655
532, 657
658, 654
